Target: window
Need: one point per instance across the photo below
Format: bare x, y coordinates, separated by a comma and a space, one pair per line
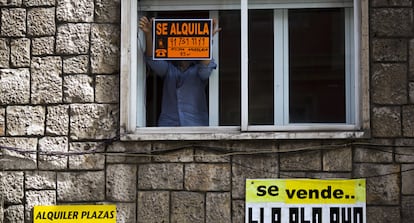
285, 68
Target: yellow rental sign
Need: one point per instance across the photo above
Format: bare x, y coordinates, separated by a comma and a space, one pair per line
75, 214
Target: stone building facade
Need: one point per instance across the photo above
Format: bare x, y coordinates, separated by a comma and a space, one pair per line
59, 94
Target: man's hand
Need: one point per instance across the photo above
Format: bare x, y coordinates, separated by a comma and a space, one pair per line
145, 25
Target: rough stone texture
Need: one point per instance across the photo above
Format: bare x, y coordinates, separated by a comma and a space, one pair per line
407, 203
75, 10
35, 198
388, 83
20, 52
404, 150
153, 206
187, 207
238, 210
14, 213
40, 180
57, 120
389, 50
25, 120
39, 2
106, 88
207, 177
374, 154
78, 89
55, 146
407, 179
10, 2
107, 11
11, 187
2, 121
119, 152
385, 3
46, 79
408, 120
81, 186
391, 22
218, 207
386, 121
93, 121
301, 161
43, 46
76, 64
4, 53
411, 60
126, 213
411, 92
244, 167
16, 160
383, 214
332, 163
168, 176
41, 22
15, 86
383, 190
121, 182
73, 38
91, 159
105, 48
13, 22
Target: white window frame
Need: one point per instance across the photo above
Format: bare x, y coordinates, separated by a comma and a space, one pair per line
133, 85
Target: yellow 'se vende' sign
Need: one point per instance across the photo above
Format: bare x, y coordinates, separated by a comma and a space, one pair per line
75, 214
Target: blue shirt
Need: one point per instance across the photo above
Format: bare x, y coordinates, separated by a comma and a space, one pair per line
184, 100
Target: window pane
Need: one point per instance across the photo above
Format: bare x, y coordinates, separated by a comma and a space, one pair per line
316, 66
261, 79
229, 64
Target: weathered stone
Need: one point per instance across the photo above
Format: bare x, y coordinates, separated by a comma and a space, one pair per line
81, 186
383, 190
77, 89
389, 49
383, 214
25, 120
14, 213
404, 152
105, 48
218, 207
314, 175
93, 121
210, 156
126, 212
11, 187
238, 210
389, 83
73, 38
121, 182
244, 167
153, 206
386, 121
161, 176
57, 120
46, 79
384, 3
41, 22
301, 161
53, 146
31, 3
75, 10
187, 207
43, 46
411, 60
407, 176
2, 121
107, 89
374, 154
35, 198
207, 177
13, 22
119, 152
10, 2
391, 22
411, 92
4, 53
408, 120
23, 158
107, 11
183, 155
91, 159
337, 160
20, 52
76, 65
15, 86
40, 180
407, 213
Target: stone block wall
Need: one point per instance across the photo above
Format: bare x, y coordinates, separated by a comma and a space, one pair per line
59, 93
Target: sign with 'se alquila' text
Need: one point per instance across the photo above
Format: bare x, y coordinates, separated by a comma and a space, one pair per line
75, 214
305, 201
182, 39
